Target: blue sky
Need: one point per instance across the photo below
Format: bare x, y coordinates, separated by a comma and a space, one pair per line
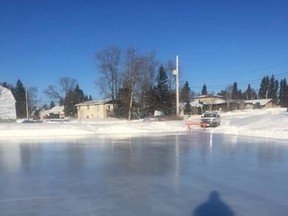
218, 42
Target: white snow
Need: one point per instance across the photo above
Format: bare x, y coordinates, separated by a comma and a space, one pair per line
265, 123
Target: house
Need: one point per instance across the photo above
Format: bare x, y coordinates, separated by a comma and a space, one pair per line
195, 107
235, 105
95, 109
7, 105
211, 102
216, 102
54, 113
259, 103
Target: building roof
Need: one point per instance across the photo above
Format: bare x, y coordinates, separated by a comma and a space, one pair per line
95, 102
6, 94
54, 110
262, 102
196, 104
7, 104
210, 99
208, 96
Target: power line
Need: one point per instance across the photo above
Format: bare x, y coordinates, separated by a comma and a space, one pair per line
248, 72
278, 75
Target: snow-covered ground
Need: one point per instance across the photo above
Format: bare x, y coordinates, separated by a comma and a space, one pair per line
266, 123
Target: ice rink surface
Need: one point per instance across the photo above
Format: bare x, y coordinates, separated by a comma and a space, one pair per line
193, 174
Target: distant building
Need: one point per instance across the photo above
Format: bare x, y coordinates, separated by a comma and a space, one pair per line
7, 105
210, 102
215, 102
95, 109
54, 113
259, 103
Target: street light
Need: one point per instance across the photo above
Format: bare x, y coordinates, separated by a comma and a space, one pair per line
176, 74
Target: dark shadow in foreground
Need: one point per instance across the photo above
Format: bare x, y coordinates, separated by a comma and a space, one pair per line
214, 206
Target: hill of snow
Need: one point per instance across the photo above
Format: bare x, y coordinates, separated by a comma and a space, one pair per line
266, 123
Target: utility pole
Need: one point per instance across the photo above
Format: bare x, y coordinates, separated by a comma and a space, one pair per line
176, 73
27, 108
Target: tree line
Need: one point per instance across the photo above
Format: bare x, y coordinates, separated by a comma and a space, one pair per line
66, 93
138, 84
270, 88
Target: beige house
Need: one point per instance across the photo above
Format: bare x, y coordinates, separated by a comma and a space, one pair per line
95, 109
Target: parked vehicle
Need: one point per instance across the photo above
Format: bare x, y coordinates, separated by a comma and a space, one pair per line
212, 119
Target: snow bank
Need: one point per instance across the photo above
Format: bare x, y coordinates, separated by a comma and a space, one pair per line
268, 123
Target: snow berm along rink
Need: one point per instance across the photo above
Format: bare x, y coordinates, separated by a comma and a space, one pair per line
265, 123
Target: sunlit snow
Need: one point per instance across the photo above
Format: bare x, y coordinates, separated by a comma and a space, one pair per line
265, 123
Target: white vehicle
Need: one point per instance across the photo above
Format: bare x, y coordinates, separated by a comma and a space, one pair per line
211, 119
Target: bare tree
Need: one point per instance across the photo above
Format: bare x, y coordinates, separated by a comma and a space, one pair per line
139, 77
32, 98
131, 74
147, 81
109, 68
59, 92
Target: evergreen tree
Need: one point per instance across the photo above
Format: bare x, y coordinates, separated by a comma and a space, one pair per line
122, 108
249, 94
163, 97
52, 104
19, 93
264, 88
149, 101
269, 88
185, 97
185, 93
204, 90
240, 94
283, 93
222, 93
236, 93
187, 109
72, 98
273, 88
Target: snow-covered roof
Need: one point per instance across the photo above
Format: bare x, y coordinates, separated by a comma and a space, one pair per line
6, 94
54, 110
95, 102
210, 99
208, 96
7, 104
196, 104
262, 102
